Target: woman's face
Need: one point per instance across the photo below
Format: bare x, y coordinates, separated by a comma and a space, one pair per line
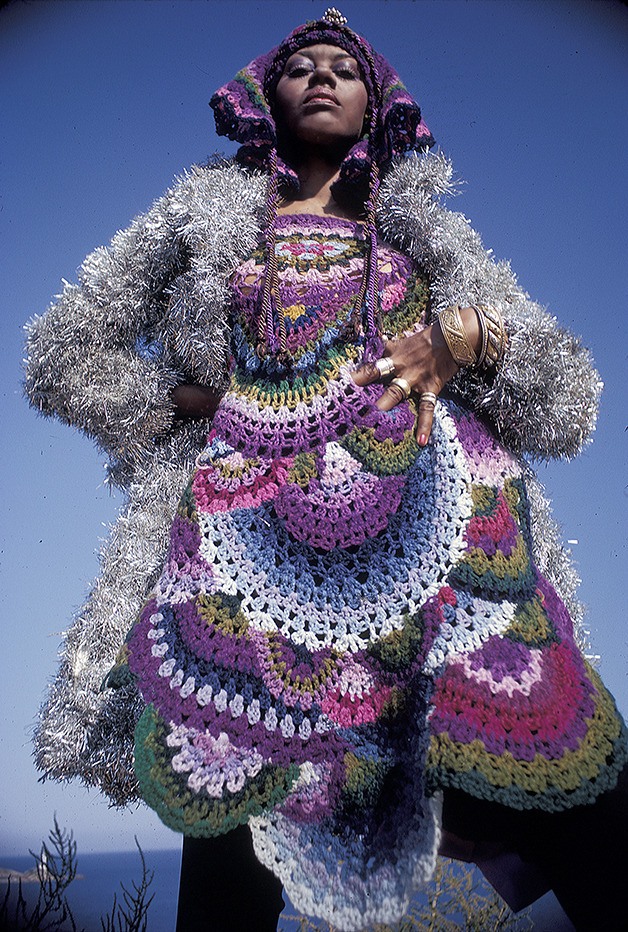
321, 98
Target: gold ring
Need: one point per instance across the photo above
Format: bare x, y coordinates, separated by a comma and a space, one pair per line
385, 366
428, 398
404, 387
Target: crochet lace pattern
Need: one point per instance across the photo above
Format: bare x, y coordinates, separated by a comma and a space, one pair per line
347, 623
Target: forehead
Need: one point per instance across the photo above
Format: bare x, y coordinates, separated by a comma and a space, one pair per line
323, 53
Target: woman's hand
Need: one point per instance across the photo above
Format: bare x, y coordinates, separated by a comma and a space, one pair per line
195, 401
424, 362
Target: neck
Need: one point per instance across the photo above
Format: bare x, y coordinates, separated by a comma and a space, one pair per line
316, 177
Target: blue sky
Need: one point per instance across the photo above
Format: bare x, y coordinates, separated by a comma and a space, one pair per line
103, 103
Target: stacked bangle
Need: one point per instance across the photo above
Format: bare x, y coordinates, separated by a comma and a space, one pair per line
491, 328
493, 334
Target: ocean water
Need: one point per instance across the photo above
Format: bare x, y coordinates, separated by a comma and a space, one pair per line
102, 874
91, 894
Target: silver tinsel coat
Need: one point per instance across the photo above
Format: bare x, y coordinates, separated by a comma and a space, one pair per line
149, 312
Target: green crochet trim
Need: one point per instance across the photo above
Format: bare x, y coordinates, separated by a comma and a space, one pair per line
498, 575
413, 307
381, 457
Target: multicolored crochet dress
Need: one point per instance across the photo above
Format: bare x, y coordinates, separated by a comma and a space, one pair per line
347, 623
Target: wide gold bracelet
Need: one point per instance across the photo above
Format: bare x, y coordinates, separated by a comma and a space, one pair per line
455, 336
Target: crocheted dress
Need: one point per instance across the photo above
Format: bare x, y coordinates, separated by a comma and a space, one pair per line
347, 623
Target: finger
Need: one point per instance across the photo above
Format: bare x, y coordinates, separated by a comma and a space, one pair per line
370, 372
391, 397
425, 419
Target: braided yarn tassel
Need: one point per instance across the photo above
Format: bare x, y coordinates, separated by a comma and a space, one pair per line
372, 347
271, 306
365, 314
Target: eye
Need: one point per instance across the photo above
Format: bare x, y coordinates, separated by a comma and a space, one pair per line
298, 70
346, 71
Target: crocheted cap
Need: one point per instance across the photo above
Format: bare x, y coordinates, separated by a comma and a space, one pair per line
243, 107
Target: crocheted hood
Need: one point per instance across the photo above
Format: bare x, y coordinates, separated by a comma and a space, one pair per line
243, 108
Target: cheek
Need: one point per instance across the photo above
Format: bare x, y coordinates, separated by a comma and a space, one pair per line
284, 101
359, 105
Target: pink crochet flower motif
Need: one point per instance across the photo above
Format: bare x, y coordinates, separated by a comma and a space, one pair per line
213, 763
392, 295
310, 249
349, 711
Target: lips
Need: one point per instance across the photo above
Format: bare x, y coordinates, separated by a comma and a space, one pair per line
321, 96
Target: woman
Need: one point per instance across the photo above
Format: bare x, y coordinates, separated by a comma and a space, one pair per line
356, 620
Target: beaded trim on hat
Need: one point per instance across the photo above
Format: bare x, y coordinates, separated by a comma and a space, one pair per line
334, 16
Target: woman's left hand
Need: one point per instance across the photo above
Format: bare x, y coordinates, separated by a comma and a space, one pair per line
424, 362
193, 402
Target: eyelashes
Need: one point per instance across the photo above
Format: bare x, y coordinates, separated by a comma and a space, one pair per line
343, 71
296, 71
348, 73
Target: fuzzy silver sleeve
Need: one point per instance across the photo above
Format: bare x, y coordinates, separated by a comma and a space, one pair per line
165, 277
543, 398
82, 363
82, 731
162, 282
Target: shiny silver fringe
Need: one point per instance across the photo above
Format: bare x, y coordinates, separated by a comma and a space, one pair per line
164, 282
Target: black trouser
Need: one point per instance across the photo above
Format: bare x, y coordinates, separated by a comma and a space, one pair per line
224, 888
582, 852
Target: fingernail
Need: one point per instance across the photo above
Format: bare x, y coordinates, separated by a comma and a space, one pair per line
423, 440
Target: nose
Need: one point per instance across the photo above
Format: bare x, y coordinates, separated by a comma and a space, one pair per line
322, 74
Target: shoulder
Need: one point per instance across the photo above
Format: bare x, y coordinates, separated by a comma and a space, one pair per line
411, 212
418, 176
219, 204
219, 184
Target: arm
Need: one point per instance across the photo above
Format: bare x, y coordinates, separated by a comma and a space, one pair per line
82, 365
425, 362
167, 273
542, 399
